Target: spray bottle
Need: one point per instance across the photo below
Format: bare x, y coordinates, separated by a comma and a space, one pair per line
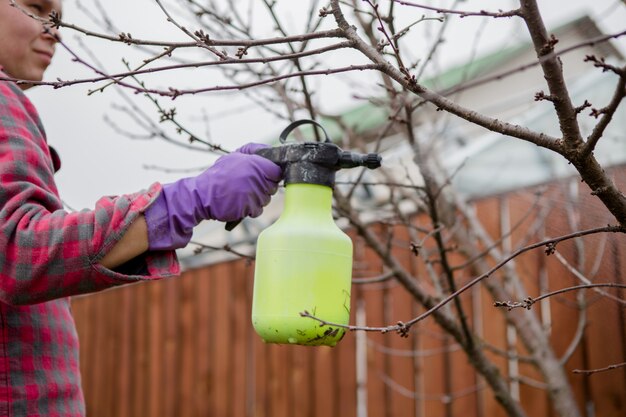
304, 261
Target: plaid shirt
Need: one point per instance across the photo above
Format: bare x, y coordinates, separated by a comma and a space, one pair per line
47, 255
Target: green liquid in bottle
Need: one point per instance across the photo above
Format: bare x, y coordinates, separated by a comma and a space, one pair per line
303, 263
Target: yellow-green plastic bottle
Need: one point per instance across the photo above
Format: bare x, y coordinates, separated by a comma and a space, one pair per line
303, 263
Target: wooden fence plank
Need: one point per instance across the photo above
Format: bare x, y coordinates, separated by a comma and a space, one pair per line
125, 320
240, 324
604, 319
262, 393
324, 374
156, 382
376, 387
399, 356
202, 360
221, 334
345, 378
300, 381
171, 289
188, 329
251, 359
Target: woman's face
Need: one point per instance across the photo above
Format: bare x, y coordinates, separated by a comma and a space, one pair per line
25, 49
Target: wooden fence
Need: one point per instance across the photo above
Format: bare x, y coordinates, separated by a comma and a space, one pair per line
185, 347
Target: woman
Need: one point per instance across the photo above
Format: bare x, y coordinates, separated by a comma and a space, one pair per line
47, 254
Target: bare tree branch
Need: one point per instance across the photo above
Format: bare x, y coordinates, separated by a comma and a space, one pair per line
247, 43
528, 302
438, 100
607, 115
593, 371
483, 13
553, 73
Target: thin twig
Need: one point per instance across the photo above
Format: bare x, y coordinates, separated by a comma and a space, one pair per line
608, 113
195, 36
507, 354
527, 303
483, 13
174, 93
225, 248
381, 278
117, 78
593, 371
581, 277
505, 234
303, 82
124, 38
168, 51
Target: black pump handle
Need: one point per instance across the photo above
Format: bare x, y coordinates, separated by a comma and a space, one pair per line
283, 139
292, 126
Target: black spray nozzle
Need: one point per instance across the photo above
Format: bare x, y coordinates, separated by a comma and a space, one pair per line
315, 162
350, 160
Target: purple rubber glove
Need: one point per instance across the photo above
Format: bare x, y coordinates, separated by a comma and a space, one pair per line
238, 185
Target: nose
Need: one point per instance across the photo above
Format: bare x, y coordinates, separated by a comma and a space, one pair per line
51, 34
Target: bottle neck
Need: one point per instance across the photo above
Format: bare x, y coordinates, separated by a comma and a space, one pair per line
309, 200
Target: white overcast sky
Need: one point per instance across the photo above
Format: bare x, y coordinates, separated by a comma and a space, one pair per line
98, 161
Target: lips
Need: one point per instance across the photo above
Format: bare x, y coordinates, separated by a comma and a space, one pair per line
45, 55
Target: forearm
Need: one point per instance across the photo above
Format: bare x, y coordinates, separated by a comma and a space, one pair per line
48, 252
132, 244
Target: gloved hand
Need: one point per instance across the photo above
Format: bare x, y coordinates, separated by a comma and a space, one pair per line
236, 186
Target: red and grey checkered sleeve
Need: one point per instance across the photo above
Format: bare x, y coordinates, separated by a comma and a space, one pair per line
46, 252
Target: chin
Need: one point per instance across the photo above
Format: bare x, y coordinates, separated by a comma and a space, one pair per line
37, 75
34, 76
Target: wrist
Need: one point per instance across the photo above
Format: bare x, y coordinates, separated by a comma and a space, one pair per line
166, 229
